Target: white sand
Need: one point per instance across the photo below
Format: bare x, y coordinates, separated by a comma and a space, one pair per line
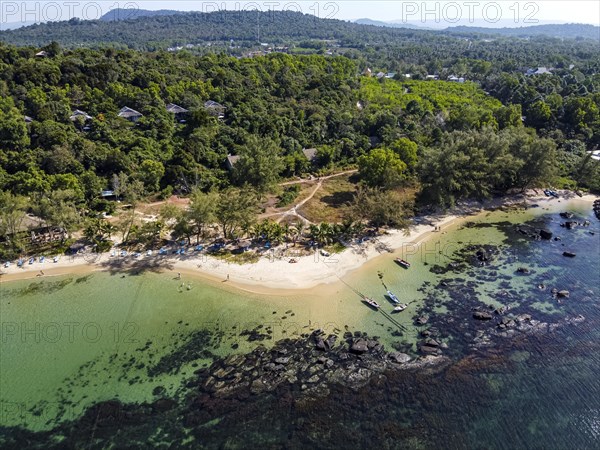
274, 271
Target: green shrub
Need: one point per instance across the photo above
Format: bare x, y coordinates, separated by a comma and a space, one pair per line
289, 194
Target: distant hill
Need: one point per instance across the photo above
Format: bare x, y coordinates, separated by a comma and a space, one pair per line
142, 29
134, 13
562, 31
565, 31
379, 23
15, 25
210, 32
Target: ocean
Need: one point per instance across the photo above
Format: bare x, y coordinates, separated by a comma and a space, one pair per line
72, 343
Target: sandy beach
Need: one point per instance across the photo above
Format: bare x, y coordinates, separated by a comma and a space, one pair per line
273, 271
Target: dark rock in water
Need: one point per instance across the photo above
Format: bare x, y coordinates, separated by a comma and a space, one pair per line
428, 349
482, 255
523, 318
566, 215
359, 346
545, 234
482, 315
431, 342
501, 310
321, 344
506, 323
399, 357
524, 270
330, 342
159, 390
570, 225
422, 320
563, 294
557, 238
164, 404
569, 254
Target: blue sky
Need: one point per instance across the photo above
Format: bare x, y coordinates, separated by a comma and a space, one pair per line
433, 14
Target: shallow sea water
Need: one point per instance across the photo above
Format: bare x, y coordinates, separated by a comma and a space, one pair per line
70, 342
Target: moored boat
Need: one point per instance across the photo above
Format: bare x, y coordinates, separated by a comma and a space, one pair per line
392, 296
402, 262
400, 307
372, 303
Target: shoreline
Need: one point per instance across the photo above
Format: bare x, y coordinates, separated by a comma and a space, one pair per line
273, 274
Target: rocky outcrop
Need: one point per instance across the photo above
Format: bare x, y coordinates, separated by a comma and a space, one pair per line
310, 364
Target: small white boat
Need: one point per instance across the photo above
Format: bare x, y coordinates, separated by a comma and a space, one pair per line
113, 253
149, 253
402, 262
372, 303
7, 264
55, 259
325, 254
401, 307
392, 297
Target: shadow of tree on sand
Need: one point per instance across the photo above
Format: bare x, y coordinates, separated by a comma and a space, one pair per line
132, 266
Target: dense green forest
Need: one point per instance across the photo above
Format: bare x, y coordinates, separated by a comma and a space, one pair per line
277, 104
444, 141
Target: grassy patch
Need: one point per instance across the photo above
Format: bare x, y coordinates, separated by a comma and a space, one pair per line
330, 202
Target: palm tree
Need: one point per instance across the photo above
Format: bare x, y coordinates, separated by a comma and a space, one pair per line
287, 232
326, 233
299, 227
314, 232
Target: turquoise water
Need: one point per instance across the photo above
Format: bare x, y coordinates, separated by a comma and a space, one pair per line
70, 342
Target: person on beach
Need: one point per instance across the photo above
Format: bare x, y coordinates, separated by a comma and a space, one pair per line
179, 275
227, 277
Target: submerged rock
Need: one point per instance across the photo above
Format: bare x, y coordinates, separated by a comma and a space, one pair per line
359, 346
545, 234
399, 357
422, 320
482, 315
